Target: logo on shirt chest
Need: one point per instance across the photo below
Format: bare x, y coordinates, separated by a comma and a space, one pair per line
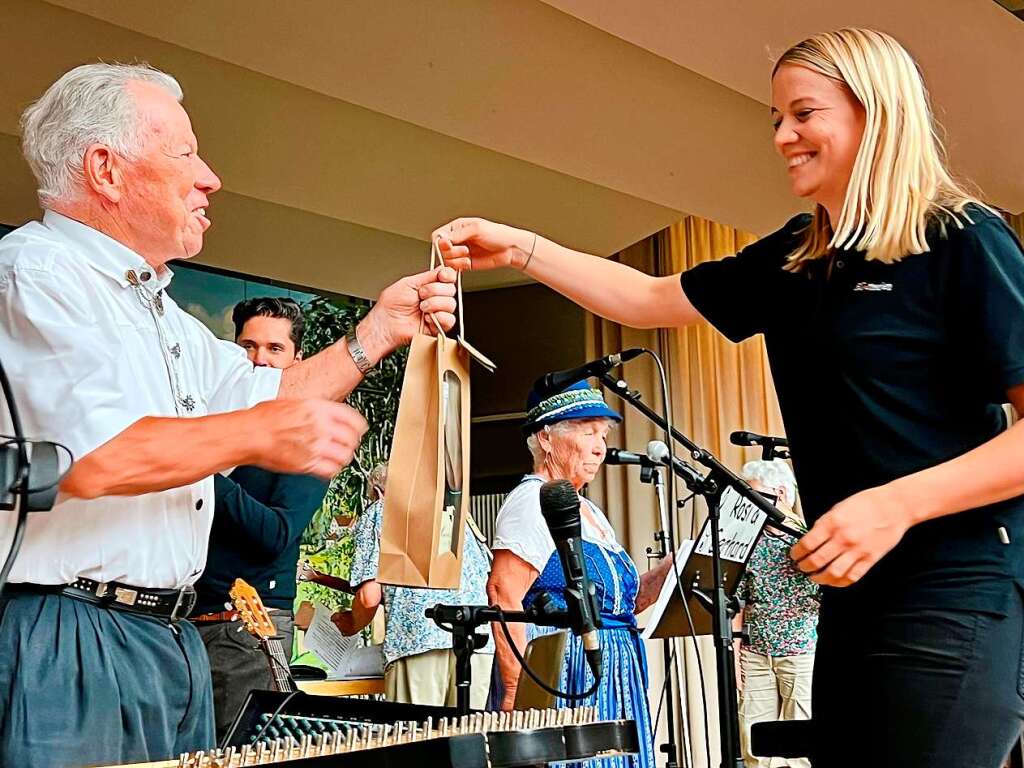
865, 286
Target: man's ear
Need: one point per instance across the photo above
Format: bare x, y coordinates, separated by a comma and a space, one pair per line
298, 355
103, 172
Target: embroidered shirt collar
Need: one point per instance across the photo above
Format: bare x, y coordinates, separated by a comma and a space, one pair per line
106, 255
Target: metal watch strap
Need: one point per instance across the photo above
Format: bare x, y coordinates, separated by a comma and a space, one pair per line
355, 349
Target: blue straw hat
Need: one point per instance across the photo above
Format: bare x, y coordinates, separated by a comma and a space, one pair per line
577, 401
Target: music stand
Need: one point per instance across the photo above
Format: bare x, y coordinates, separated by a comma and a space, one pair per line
741, 525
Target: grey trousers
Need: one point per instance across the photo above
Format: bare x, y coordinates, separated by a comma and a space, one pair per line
238, 664
85, 685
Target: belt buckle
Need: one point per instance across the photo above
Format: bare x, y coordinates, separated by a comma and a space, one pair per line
184, 604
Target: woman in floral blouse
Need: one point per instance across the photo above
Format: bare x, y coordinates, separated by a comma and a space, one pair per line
419, 664
780, 613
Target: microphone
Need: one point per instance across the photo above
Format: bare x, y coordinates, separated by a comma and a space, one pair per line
39, 478
752, 438
658, 452
771, 447
554, 382
619, 457
560, 506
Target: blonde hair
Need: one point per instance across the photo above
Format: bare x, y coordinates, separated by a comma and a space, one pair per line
899, 180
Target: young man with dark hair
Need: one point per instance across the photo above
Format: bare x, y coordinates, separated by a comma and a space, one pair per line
261, 326
259, 517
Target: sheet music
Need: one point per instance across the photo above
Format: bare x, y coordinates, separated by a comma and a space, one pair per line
324, 639
667, 589
364, 661
739, 524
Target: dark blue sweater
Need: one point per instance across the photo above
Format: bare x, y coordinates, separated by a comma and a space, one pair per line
258, 520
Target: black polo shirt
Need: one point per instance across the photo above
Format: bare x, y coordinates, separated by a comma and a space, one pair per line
885, 369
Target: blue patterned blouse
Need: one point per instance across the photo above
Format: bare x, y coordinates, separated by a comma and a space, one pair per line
407, 631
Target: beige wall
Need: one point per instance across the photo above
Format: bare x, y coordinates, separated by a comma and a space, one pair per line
344, 132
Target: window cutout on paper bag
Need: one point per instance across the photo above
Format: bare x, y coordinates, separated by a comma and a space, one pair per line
451, 518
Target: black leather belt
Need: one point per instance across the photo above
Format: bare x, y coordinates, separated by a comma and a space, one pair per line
169, 604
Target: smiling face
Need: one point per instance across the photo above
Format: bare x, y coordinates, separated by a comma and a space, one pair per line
818, 129
162, 209
575, 452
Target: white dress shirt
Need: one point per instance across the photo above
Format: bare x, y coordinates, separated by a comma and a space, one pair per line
92, 343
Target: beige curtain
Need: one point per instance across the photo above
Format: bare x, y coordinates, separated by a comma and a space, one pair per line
1017, 224
630, 505
720, 386
716, 387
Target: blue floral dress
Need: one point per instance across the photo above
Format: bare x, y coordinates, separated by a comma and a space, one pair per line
622, 693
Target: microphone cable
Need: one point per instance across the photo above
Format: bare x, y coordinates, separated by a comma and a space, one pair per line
533, 675
19, 487
280, 708
671, 533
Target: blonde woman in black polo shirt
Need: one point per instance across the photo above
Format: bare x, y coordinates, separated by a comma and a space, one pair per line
894, 321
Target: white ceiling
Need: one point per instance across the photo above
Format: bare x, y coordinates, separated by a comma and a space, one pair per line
345, 131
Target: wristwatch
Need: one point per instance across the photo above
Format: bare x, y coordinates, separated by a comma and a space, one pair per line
355, 349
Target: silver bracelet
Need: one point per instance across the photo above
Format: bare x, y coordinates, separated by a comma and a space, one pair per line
358, 354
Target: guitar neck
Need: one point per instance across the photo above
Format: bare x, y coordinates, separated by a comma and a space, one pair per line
256, 619
279, 665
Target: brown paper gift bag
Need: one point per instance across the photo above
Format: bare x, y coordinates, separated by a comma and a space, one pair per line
426, 503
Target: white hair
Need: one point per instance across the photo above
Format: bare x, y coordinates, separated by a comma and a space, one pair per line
772, 474
558, 428
90, 104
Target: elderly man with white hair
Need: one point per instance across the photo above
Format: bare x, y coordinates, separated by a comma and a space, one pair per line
95, 666
775, 659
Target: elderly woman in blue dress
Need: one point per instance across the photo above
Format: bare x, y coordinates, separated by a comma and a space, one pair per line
567, 433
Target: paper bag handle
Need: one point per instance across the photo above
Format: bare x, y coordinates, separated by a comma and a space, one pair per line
435, 260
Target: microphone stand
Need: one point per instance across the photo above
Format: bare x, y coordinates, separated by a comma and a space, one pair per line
463, 620
711, 487
719, 473
771, 452
653, 476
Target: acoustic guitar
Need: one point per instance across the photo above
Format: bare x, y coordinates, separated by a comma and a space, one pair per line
256, 619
